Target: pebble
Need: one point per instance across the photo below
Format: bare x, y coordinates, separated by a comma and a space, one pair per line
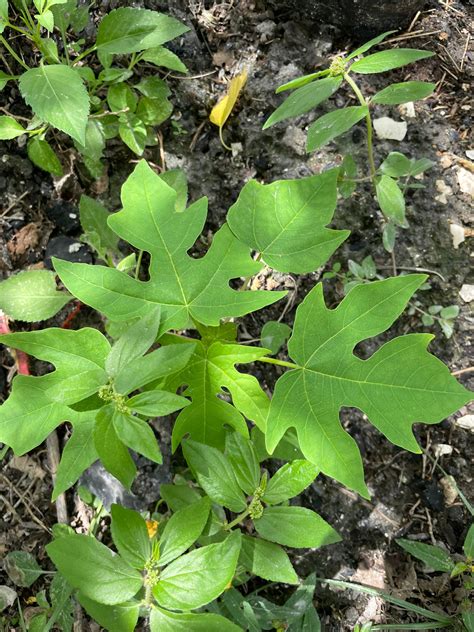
458, 235
466, 422
466, 181
467, 292
387, 128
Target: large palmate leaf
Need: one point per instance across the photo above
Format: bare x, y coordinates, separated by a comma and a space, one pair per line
210, 369
79, 358
400, 384
58, 96
185, 287
286, 221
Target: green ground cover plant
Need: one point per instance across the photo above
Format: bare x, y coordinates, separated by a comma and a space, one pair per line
91, 94
170, 345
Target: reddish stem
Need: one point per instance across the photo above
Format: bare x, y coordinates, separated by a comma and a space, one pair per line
21, 358
70, 317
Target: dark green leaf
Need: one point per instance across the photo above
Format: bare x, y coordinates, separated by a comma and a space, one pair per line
301, 81
368, 45
289, 481
166, 621
121, 97
266, 560
137, 435
244, 462
97, 233
178, 496
182, 530
111, 450
404, 92
388, 60
433, 556
396, 165
333, 124
156, 403
117, 618
274, 335
42, 155
130, 536
296, 527
468, 546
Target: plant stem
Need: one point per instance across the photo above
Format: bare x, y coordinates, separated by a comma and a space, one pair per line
84, 54
368, 120
237, 520
139, 263
222, 139
289, 365
12, 53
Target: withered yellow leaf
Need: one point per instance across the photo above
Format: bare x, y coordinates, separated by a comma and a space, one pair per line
221, 111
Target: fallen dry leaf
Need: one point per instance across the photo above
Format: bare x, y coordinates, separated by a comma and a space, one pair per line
26, 238
221, 111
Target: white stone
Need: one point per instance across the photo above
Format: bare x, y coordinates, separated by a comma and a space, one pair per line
466, 181
445, 191
466, 422
387, 128
407, 109
458, 235
441, 449
467, 293
470, 154
75, 247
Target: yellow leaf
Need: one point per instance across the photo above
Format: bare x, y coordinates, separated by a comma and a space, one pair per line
221, 111
152, 528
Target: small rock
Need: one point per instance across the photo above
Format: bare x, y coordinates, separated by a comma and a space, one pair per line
445, 191
446, 161
267, 30
458, 235
470, 154
387, 128
407, 109
466, 181
467, 292
441, 449
295, 139
466, 422
449, 489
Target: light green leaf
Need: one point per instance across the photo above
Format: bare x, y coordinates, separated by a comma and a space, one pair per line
10, 128
390, 199
295, 526
58, 96
274, 335
176, 179
130, 536
78, 356
111, 450
154, 88
93, 569
199, 577
22, 568
400, 384
4, 77
166, 621
97, 233
451, 311
157, 364
32, 296
304, 99
388, 60
289, 481
182, 530
302, 81
212, 368
93, 148
468, 546
161, 56
116, 618
267, 560
133, 343
433, 556
214, 474
129, 30
133, 132
178, 496
46, 20
120, 97
418, 166
396, 165
368, 45
243, 459
137, 435
78, 454
286, 221
154, 111
404, 92
3, 14
43, 156
333, 124
156, 403
185, 287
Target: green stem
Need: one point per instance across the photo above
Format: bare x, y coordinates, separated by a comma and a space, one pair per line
12, 53
222, 139
84, 54
237, 520
370, 134
289, 365
139, 263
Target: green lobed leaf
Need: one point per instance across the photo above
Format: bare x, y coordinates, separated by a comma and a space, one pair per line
78, 356
43, 156
214, 474
97, 234
93, 569
390, 199
243, 459
289, 481
137, 435
333, 124
22, 568
32, 296
274, 335
210, 369
388, 60
403, 92
116, 618
111, 450
433, 556
286, 221
182, 530
133, 343
57, 95
266, 560
185, 287
161, 56
297, 527
199, 577
166, 621
129, 30
368, 45
10, 128
130, 536
78, 454
400, 384
304, 99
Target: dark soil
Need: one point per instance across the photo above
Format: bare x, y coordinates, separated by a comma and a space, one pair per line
410, 496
